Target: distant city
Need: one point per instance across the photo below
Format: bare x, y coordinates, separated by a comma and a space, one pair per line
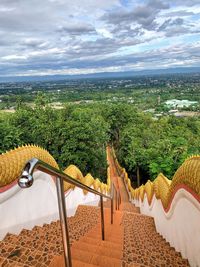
163, 94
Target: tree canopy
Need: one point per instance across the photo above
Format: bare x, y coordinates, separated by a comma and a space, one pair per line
78, 134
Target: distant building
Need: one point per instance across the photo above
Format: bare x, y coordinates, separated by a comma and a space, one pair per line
187, 114
173, 111
151, 110
174, 103
158, 115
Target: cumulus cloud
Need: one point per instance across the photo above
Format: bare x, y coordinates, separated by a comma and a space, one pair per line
143, 15
60, 36
171, 23
185, 2
179, 13
158, 4
78, 29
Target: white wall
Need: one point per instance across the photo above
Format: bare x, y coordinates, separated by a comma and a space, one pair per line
28, 207
76, 197
25, 208
180, 226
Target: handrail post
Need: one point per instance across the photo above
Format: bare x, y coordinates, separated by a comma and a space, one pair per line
102, 219
118, 200
111, 211
115, 199
111, 202
63, 221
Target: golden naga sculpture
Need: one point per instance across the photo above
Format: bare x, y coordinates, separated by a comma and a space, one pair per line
89, 181
188, 175
148, 188
97, 184
161, 188
13, 161
75, 173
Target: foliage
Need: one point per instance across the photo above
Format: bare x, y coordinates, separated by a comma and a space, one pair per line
78, 134
74, 135
159, 145
10, 136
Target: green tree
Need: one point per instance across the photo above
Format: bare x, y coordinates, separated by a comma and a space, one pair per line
10, 136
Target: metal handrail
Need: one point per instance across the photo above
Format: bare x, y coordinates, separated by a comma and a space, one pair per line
26, 180
121, 174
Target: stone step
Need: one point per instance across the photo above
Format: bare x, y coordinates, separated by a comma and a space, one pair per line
106, 244
129, 207
101, 250
111, 237
39, 246
85, 258
9, 263
10, 238
144, 246
17, 255
44, 241
58, 261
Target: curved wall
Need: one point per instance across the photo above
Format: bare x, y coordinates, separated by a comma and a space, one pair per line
180, 225
21, 208
25, 208
174, 205
77, 197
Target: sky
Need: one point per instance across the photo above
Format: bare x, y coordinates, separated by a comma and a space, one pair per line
52, 37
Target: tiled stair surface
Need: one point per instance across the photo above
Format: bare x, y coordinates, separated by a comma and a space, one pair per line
143, 246
123, 206
37, 247
132, 241
129, 207
90, 250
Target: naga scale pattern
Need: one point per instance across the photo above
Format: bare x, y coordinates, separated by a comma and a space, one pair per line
13, 161
188, 174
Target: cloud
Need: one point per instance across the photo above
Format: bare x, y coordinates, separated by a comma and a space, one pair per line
143, 15
81, 35
78, 29
174, 55
171, 23
177, 30
185, 2
158, 4
179, 13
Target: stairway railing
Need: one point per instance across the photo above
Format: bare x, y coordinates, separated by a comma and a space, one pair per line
26, 180
121, 174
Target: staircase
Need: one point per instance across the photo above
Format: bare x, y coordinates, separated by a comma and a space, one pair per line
131, 241
42, 246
